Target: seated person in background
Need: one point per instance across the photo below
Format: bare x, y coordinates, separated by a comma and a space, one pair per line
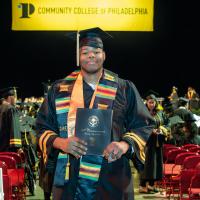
190, 130
189, 127
183, 109
177, 134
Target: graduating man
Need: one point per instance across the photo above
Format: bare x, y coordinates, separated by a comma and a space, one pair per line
77, 175
10, 135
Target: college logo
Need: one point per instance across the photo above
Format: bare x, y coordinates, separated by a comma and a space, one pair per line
27, 9
93, 121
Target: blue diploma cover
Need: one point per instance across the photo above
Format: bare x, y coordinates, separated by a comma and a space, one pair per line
94, 127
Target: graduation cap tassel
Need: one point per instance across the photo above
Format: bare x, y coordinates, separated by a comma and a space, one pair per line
77, 48
15, 92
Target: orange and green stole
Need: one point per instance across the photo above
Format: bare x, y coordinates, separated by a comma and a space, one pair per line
66, 103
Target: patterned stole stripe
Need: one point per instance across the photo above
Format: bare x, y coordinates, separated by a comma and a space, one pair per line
105, 91
109, 77
63, 88
72, 76
89, 171
62, 108
61, 155
102, 106
62, 105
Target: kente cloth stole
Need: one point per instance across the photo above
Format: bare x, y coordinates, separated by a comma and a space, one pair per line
70, 98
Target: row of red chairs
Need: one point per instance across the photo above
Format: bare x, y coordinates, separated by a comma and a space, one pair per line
180, 166
13, 176
180, 183
187, 147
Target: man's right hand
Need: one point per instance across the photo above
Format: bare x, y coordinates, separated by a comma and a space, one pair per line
71, 145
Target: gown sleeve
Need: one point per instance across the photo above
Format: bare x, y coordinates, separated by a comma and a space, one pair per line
14, 131
139, 123
46, 125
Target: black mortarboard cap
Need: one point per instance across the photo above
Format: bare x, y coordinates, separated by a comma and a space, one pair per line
183, 99
151, 94
89, 37
175, 120
9, 91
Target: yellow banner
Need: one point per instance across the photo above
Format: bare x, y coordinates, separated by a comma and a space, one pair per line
110, 15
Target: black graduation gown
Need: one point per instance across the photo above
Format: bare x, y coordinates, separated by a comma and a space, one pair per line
129, 114
10, 135
153, 167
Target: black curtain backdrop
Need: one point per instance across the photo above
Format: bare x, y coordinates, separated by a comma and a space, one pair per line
155, 60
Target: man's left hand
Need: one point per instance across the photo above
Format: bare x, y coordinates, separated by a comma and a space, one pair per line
115, 150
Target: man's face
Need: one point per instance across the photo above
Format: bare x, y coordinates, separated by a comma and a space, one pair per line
91, 59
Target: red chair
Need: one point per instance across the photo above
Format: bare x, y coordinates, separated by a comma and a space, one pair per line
168, 166
171, 155
19, 164
16, 177
194, 189
166, 149
179, 162
16, 156
181, 182
170, 161
191, 162
198, 152
7, 188
188, 146
195, 149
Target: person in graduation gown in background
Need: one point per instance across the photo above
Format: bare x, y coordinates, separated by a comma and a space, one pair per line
153, 166
189, 131
193, 98
76, 174
10, 135
173, 97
